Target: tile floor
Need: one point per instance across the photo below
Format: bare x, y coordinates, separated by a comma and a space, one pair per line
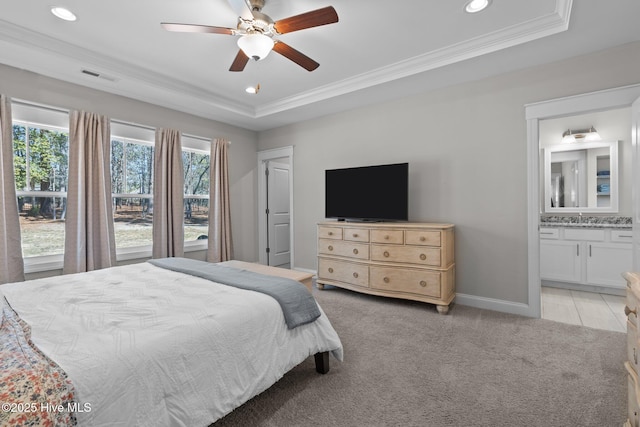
599, 311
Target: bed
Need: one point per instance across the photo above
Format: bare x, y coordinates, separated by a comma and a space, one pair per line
149, 345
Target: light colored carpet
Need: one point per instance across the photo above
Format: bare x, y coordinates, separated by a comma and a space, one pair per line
407, 365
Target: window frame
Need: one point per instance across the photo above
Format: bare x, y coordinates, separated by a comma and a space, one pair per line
46, 263
39, 263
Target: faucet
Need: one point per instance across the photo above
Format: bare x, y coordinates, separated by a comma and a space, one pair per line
579, 217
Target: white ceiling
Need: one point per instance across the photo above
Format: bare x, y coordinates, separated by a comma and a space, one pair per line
377, 51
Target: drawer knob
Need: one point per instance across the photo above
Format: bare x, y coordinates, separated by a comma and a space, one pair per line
628, 311
423, 283
330, 270
355, 234
422, 238
331, 233
355, 275
386, 280
386, 254
386, 237
423, 257
355, 252
330, 248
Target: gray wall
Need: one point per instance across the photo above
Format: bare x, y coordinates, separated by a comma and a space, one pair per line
466, 148
31, 87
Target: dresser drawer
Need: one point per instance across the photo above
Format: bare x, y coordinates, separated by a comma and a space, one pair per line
632, 308
632, 345
406, 254
345, 249
356, 234
395, 237
426, 238
633, 408
406, 280
330, 233
341, 271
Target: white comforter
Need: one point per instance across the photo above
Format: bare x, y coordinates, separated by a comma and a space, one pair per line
146, 346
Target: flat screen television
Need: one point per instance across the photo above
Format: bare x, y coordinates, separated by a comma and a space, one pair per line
368, 193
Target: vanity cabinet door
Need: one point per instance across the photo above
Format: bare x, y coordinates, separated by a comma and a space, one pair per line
561, 260
606, 262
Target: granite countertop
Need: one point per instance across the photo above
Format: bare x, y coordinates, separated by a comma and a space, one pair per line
615, 222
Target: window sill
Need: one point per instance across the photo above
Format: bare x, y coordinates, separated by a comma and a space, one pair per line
43, 263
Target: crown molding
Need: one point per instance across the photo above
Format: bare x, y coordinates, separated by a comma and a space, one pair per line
534, 29
117, 69
133, 81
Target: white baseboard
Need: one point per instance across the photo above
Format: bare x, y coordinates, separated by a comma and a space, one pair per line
494, 304
475, 301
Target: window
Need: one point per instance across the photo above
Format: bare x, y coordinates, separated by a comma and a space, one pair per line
132, 189
196, 194
41, 161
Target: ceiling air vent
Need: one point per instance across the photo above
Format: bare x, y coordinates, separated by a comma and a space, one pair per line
98, 75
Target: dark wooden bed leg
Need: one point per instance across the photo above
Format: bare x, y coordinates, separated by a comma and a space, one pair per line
322, 362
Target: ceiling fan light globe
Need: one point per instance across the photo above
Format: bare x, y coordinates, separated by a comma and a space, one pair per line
256, 46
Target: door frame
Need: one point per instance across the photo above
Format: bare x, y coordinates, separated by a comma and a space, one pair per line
607, 99
263, 157
635, 155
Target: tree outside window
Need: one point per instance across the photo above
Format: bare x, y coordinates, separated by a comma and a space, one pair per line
41, 162
132, 188
196, 195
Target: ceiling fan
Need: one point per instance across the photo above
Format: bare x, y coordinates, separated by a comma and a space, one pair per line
258, 32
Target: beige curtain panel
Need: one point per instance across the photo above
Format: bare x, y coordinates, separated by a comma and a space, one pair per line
89, 238
168, 195
11, 263
220, 243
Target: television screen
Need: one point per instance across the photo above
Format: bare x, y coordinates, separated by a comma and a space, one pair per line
369, 193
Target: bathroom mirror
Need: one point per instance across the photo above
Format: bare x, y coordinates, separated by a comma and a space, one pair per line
581, 177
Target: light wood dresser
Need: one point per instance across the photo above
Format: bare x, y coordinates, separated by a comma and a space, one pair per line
413, 261
633, 349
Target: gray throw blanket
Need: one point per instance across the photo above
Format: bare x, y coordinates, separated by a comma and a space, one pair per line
298, 305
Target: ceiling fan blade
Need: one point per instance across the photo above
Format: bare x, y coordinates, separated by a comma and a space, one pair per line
239, 62
241, 8
194, 28
299, 58
311, 19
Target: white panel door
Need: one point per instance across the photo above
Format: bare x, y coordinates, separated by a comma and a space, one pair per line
635, 139
278, 215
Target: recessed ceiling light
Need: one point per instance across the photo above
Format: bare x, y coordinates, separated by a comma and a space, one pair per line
476, 5
63, 13
253, 89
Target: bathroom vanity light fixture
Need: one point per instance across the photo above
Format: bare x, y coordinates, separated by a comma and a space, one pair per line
581, 135
474, 6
